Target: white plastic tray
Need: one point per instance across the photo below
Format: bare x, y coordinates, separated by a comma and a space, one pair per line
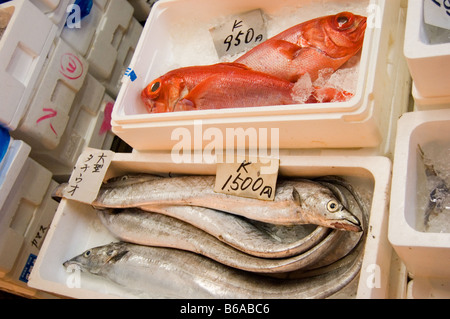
76, 226
425, 254
429, 63
372, 112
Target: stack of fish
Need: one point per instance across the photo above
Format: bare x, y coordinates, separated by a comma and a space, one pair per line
280, 71
180, 238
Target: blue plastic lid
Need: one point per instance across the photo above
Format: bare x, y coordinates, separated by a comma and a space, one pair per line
4, 142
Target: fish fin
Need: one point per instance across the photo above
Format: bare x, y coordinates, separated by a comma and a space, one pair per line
116, 257
288, 49
235, 64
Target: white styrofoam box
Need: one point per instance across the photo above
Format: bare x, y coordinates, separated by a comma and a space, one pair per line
23, 50
425, 254
124, 55
23, 191
48, 112
55, 10
81, 38
429, 63
88, 127
423, 103
428, 288
76, 227
372, 112
33, 238
103, 50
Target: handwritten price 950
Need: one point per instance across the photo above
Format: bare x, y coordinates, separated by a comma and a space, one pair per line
242, 37
443, 3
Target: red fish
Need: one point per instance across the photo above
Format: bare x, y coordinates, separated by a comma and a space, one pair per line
223, 85
163, 93
326, 42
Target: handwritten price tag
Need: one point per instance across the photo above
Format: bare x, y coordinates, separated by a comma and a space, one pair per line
240, 33
254, 178
437, 13
88, 175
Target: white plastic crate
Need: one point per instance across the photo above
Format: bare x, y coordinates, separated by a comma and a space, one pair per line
382, 93
103, 50
23, 50
429, 63
76, 226
55, 10
124, 55
48, 111
80, 38
86, 128
425, 254
25, 187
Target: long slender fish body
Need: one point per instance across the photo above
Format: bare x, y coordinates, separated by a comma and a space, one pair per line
296, 202
254, 238
179, 274
152, 229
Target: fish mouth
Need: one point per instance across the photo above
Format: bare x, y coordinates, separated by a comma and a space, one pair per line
348, 223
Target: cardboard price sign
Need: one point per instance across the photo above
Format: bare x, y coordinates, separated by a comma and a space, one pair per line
253, 178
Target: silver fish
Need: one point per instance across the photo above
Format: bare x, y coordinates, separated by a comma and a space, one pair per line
152, 229
180, 274
252, 237
296, 202
437, 187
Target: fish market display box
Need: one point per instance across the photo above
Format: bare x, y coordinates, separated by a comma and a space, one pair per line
177, 34
76, 226
422, 240
427, 51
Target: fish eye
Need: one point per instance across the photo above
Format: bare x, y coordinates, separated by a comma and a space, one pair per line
87, 253
333, 206
344, 20
155, 87
152, 90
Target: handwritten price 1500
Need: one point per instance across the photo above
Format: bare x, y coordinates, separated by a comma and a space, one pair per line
239, 183
445, 4
240, 38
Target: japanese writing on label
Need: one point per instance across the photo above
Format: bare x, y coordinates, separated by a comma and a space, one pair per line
248, 177
88, 175
437, 13
240, 33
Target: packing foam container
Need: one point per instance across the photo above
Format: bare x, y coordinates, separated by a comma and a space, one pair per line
433, 103
55, 10
76, 227
125, 53
426, 255
86, 128
382, 92
23, 49
102, 52
44, 123
27, 210
429, 63
80, 38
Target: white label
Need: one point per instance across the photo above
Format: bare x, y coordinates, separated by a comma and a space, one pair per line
253, 177
88, 175
240, 33
437, 13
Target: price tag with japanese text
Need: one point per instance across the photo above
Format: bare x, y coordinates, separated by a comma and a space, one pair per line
253, 177
239, 33
437, 13
88, 175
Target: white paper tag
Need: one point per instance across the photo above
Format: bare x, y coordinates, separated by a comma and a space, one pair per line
253, 177
241, 32
88, 175
437, 13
